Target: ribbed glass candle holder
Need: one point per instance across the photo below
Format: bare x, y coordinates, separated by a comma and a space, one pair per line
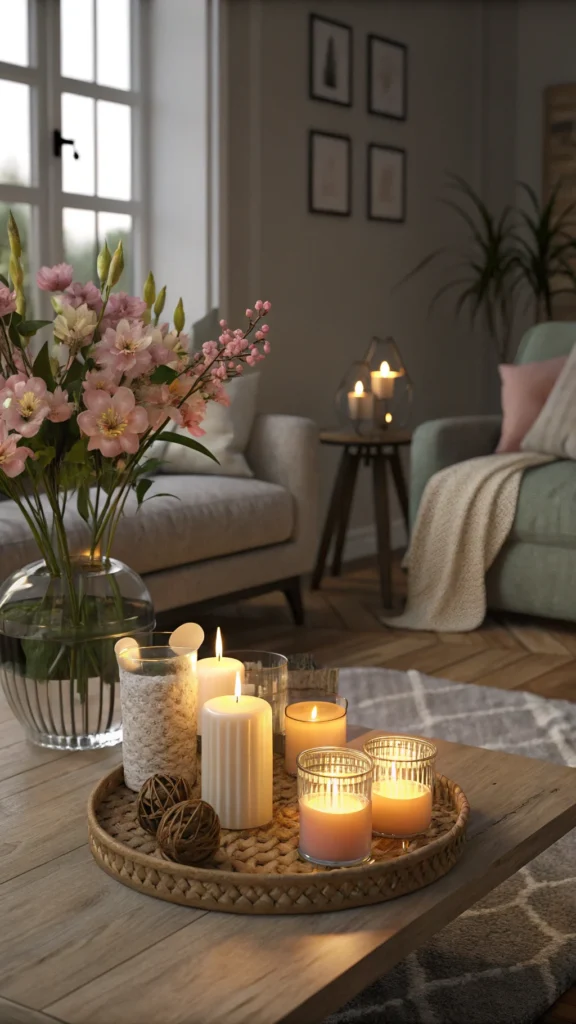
334, 804
403, 785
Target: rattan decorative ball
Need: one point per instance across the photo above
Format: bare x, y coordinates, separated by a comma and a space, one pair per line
189, 832
158, 793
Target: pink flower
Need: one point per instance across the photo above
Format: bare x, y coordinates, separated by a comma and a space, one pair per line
171, 350
25, 404
112, 422
264, 329
12, 458
249, 313
60, 408
55, 279
191, 414
125, 349
266, 348
259, 305
7, 300
266, 306
101, 380
78, 294
122, 307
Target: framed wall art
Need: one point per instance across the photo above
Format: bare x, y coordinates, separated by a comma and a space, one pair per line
329, 174
330, 61
386, 184
387, 64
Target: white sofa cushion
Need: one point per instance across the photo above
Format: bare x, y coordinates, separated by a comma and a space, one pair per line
214, 516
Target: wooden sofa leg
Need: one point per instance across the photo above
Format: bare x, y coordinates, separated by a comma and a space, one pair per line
293, 594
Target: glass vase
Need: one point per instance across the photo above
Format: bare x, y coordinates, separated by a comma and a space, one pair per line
57, 634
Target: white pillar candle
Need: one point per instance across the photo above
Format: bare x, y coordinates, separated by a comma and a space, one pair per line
360, 402
383, 381
237, 759
216, 677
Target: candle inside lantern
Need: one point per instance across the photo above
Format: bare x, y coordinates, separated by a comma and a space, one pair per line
334, 805
312, 724
383, 381
216, 676
360, 402
237, 758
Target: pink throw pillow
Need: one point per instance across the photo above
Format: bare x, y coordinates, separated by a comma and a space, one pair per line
525, 389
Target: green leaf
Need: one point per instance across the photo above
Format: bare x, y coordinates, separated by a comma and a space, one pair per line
4, 281
15, 337
45, 456
187, 442
42, 368
78, 452
29, 327
162, 494
163, 375
141, 488
75, 373
148, 466
82, 502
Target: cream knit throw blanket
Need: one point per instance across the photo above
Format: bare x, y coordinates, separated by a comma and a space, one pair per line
465, 516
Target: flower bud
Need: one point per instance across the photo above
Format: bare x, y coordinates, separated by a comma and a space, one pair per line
267, 306
56, 304
16, 272
116, 266
160, 301
149, 292
249, 313
179, 316
103, 263
14, 237
259, 305
21, 304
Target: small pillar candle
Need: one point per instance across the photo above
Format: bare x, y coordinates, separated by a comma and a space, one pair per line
383, 381
403, 786
216, 676
237, 759
313, 724
360, 402
334, 805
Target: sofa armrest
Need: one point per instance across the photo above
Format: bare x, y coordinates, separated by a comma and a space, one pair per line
441, 443
284, 450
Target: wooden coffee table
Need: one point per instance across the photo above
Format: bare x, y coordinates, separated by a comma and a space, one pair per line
76, 946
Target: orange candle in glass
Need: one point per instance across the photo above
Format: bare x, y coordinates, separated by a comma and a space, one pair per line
311, 723
403, 785
334, 805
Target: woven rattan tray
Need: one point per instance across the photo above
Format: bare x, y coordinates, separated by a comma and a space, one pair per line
259, 871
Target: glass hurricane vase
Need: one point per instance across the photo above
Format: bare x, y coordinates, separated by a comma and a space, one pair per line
58, 668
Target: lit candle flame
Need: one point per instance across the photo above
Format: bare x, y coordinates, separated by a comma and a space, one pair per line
314, 714
219, 647
358, 388
388, 417
238, 687
384, 369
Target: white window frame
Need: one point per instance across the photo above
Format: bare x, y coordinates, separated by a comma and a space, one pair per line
45, 194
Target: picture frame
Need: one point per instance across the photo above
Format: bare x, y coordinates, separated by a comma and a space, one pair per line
387, 78
329, 173
386, 183
329, 61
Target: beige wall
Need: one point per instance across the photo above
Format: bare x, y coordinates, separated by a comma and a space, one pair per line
331, 280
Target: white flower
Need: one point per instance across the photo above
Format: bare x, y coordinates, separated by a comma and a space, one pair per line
75, 327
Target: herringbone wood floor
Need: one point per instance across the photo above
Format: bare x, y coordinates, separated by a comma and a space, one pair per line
342, 628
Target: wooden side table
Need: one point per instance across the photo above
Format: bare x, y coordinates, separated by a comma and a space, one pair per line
375, 449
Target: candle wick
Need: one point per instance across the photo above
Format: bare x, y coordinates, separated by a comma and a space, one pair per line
237, 698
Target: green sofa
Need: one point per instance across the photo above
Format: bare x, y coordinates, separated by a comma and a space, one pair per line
535, 572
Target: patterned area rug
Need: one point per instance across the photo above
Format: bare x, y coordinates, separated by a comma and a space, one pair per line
507, 959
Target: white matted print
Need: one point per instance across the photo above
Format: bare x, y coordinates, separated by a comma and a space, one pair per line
330, 44
329, 174
386, 183
387, 78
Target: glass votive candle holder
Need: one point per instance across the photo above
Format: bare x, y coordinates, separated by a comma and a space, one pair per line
403, 785
334, 805
266, 676
312, 719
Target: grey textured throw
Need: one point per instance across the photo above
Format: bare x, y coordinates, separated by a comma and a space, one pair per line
508, 958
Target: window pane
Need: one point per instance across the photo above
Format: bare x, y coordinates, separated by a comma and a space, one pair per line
22, 213
116, 227
78, 124
77, 39
15, 134
80, 242
114, 150
113, 43
14, 32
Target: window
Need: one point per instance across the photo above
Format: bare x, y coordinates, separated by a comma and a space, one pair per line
70, 157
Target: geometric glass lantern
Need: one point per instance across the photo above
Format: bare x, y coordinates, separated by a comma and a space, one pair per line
376, 391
